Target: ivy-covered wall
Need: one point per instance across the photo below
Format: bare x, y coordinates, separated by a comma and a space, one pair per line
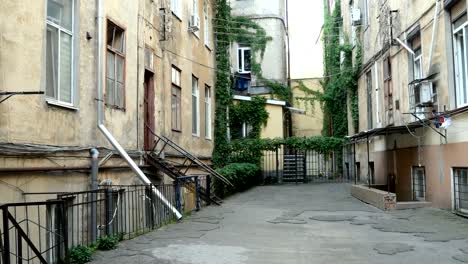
341, 76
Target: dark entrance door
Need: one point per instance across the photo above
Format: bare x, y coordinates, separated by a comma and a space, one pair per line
149, 110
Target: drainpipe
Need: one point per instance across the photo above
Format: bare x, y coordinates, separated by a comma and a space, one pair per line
94, 186
434, 34
100, 123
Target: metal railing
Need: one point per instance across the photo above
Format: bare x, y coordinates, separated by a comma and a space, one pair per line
34, 232
288, 165
43, 232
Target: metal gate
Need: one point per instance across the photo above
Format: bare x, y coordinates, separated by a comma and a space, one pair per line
301, 166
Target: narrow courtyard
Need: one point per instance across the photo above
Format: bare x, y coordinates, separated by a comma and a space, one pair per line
311, 223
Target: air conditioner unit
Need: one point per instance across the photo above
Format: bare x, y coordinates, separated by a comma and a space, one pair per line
426, 92
194, 24
356, 16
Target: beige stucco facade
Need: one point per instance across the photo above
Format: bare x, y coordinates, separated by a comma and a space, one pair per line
307, 123
395, 156
40, 122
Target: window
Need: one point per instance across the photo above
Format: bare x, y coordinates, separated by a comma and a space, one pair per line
115, 67
371, 173
419, 184
460, 184
176, 100
369, 100
244, 59
460, 48
388, 88
59, 51
206, 24
417, 64
176, 8
207, 112
366, 14
195, 107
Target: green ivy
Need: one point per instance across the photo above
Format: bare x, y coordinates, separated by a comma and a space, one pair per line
242, 175
253, 113
223, 95
341, 77
81, 254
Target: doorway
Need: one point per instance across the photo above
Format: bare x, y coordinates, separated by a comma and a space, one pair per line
419, 184
149, 122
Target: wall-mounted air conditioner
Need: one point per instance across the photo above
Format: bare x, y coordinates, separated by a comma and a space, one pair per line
194, 24
356, 19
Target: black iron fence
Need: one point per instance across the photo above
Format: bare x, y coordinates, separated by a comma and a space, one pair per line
33, 232
42, 232
308, 166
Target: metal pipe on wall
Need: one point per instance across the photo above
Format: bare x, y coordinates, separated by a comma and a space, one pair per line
434, 34
94, 186
100, 123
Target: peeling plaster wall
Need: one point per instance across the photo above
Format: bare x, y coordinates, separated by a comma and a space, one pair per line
30, 119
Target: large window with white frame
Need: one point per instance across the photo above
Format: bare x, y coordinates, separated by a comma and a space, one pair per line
59, 51
244, 59
176, 100
460, 28
176, 8
115, 66
207, 112
195, 107
417, 64
206, 23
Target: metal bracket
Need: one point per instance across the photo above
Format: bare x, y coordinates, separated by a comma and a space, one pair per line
425, 124
10, 94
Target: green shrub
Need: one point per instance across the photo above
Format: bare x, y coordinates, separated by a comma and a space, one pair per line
242, 175
107, 242
80, 254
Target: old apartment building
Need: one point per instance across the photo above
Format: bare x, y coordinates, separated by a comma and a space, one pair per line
272, 17
412, 134
157, 75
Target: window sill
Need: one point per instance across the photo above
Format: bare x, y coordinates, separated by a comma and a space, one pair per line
123, 109
196, 34
196, 135
209, 139
52, 102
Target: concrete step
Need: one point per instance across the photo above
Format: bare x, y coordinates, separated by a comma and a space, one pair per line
412, 205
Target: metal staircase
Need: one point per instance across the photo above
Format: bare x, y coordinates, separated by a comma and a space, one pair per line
179, 171
294, 168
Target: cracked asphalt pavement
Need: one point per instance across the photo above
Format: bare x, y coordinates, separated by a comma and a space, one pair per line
300, 224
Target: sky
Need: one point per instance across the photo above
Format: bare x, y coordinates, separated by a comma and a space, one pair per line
305, 23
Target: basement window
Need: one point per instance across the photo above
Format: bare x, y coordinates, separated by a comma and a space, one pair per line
460, 184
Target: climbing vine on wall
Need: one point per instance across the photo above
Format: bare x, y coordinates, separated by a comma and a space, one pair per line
252, 113
223, 83
341, 76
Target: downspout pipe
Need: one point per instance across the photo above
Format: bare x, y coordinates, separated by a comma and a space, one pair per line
434, 35
100, 123
94, 186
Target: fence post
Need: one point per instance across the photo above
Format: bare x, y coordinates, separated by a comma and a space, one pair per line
279, 179
208, 189
65, 230
6, 236
295, 165
108, 207
304, 165
19, 249
178, 198
197, 191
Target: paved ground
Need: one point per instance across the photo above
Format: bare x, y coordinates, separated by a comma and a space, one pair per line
300, 224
